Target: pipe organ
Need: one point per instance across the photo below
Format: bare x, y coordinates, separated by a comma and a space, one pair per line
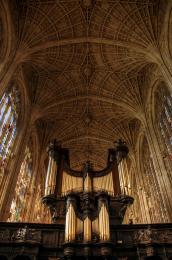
104, 183
87, 201
51, 177
70, 225
124, 177
71, 184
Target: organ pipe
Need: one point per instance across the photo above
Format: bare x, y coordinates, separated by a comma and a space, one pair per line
82, 189
79, 226
124, 177
71, 184
95, 225
104, 183
71, 221
51, 177
103, 220
87, 183
104, 223
87, 229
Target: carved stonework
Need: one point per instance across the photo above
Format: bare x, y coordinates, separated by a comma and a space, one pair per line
27, 234
146, 236
48, 241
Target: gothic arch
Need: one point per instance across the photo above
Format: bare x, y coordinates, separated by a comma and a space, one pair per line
23, 113
19, 144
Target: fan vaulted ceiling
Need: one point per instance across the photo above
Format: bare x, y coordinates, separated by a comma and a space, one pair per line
88, 67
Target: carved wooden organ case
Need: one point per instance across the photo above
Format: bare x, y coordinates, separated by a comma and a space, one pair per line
86, 201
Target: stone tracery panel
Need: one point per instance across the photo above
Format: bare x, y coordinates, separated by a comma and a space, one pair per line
155, 206
163, 114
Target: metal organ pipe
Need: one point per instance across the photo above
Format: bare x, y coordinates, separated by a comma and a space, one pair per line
103, 221
87, 189
124, 176
87, 184
87, 229
107, 224
71, 221
71, 183
82, 191
104, 183
51, 177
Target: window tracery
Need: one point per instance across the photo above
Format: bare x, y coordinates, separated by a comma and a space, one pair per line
134, 211
19, 202
8, 126
156, 208
164, 114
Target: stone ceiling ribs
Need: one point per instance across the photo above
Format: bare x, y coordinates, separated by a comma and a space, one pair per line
88, 67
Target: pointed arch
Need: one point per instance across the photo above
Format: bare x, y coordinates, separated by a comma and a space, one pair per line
9, 180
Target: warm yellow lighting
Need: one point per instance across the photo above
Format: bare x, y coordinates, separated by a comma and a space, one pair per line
87, 184
104, 183
87, 229
70, 227
104, 224
71, 183
51, 177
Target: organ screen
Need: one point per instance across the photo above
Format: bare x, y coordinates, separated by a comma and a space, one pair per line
88, 196
104, 183
71, 184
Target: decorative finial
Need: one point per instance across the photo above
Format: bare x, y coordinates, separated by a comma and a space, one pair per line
121, 149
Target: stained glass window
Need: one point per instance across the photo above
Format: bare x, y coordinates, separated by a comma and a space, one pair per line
164, 115
41, 214
37, 217
19, 202
8, 126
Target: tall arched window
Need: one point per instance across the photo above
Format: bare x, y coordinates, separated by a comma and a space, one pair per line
155, 206
8, 126
19, 202
163, 114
